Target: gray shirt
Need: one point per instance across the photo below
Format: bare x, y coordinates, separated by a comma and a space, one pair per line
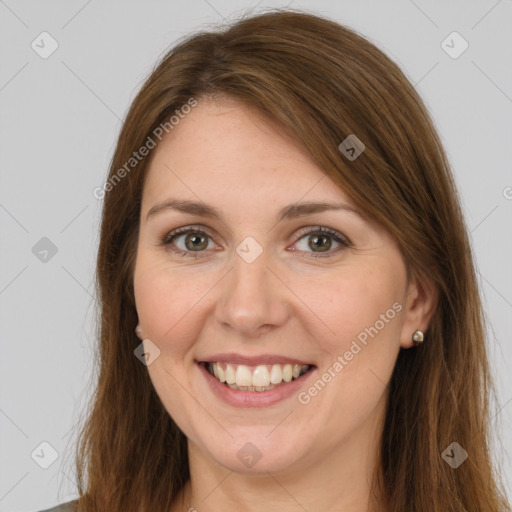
69, 506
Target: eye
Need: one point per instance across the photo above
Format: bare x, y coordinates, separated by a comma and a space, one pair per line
195, 241
321, 238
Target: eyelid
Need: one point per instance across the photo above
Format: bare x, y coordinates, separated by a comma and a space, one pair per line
185, 230
325, 230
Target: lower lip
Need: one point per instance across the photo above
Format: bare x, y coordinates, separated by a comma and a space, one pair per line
240, 398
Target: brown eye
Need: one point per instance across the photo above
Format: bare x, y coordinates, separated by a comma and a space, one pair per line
195, 242
187, 241
320, 240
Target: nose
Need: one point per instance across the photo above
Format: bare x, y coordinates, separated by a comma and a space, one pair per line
253, 299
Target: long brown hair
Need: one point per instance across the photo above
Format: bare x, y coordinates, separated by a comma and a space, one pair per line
322, 82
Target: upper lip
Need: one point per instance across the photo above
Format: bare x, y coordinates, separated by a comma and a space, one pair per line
252, 360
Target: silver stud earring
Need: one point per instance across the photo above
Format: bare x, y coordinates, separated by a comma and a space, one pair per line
418, 337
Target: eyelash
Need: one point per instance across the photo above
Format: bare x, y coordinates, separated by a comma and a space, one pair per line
338, 237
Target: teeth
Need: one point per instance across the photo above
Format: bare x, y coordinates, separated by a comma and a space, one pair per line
276, 374
250, 388
229, 374
219, 372
243, 376
287, 372
259, 378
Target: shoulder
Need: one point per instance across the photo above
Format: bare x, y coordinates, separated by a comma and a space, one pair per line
70, 506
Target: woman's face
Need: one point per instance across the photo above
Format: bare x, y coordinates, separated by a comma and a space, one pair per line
258, 286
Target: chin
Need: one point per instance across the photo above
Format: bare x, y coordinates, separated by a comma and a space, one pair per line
253, 451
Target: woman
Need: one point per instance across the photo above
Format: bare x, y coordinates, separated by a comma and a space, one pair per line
290, 318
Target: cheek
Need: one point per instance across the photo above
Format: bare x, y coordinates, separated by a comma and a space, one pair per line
363, 315
360, 314
356, 304
168, 302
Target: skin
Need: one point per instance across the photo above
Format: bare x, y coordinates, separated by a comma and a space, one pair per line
319, 455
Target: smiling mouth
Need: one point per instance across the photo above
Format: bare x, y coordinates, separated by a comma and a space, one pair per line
256, 378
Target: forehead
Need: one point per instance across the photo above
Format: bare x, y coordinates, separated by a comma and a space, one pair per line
226, 148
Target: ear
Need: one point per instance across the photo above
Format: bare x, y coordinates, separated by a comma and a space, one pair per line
419, 306
138, 331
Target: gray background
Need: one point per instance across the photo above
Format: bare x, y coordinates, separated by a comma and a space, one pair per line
60, 117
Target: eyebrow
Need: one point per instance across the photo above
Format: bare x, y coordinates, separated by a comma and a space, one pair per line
289, 212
